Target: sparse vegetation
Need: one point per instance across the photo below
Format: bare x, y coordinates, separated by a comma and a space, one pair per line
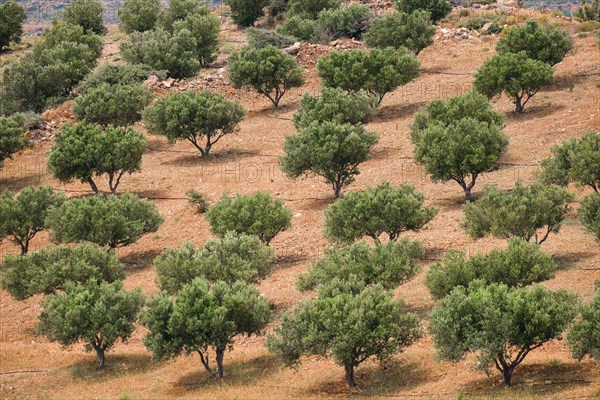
438, 9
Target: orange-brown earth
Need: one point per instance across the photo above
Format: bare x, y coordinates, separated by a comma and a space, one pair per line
32, 368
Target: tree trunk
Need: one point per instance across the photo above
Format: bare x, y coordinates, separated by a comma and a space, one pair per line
468, 195
24, 247
337, 188
507, 374
519, 106
100, 357
93, 185
276, 102
350, 375
219, 358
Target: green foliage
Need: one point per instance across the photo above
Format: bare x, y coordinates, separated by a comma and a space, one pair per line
412, 31
459, 139
270, 71
12, 138
97, 314
204, 28
194, 116
588, 11
53, 268
335, 105
584, 335
347, 325
203, 315
246, 12
519, 76
545, 43
23, 216
438, 9
85, 13
478, 21
277, 8
178, 10
501, 324
84, 152
259, 38
117, 74
12, 16
232, 258
377, 72
257, 214
139, 15
310, 8
388, 265
528, 212
574, 161
351, 22
303, 29
330, 150
197, 200
383, 209
519, 265
118, 105
589, 214
113, 221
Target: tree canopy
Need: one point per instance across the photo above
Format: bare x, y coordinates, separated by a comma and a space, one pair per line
246, 12
12, 138
584, 335
399, 30
310, 9
85, 13
12, 16
437, 8
589, 214
139, 15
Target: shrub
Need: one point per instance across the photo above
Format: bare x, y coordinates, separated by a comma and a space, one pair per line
114, 221
53, 268
348, 326
330, 150
310, 8
202, 316
194, 116
96, 314
459, 139
589, 214
515, 74
260, 38
118, 105
204, 28
84, 152
117, 74
438, 9
383, 209
377, 72
197, 200
388, 265
246, 12
85, 13
12, 16
334, 105
502, 325
519, 265
303, 29
352, 21
277, 8
23, 216
269, 71
584, 335
257, 214
588, 11
545, 43
139, 15
232, 258
412, 31
12, 138
528, 212
178, 10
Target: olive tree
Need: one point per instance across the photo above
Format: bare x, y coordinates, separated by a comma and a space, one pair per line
259, 38
584, 335
195, 117
346, 324
531, 213
589, 214
335, 105
97, 314
401, 30
546, 43
330, 150
85, 13
118, 105
515, 74
378, 71
437, 8
202, 316
519, 265
382, 209
501, 325
246, 12
117, 75
12, 138
232, 258
85, 152
24, 215
459, 139
139, 15
113, 221
310, 8
12, 16
52, 268
351, 21
303, 29
388, 265
269, 70
256, 214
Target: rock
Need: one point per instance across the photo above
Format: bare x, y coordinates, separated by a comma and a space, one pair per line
151, 81
293, 49
209, 78
168, 83
486, 27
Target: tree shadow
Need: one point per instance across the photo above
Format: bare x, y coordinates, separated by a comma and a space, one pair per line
396, 111
316, 204
268, 111
566, 82
151, 193
536, 111
218, 157
116, 365
567, 261
16, 183
139, 260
